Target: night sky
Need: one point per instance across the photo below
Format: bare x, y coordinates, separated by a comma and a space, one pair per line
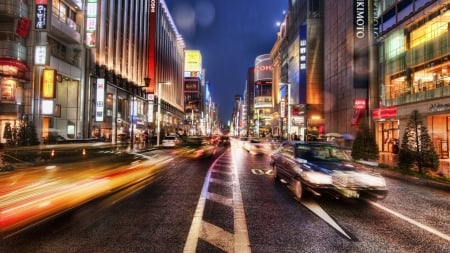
229, 34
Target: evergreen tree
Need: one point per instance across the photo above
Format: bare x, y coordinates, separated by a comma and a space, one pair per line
32, 134
7, 133
364, 146
416, 149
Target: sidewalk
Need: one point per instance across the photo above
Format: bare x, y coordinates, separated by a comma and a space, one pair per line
392, 160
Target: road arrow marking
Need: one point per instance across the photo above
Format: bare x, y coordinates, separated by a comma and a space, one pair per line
316, 209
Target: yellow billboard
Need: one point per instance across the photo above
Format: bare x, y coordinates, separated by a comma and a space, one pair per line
192, 61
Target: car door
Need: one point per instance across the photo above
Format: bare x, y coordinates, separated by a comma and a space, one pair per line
284, 160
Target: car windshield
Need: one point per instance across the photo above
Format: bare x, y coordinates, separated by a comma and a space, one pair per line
321, 153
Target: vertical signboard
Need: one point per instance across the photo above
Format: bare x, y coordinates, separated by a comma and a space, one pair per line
91, 23
303, 63
100, 100
48, 83
40, 16
361, 44
152, 44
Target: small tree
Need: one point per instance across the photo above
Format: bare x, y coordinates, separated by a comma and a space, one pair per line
32, 134
416, 149
364, 146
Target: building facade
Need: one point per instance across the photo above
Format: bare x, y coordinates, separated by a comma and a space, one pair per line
302, 69
129, 73
262, 98
15, 67
414, 57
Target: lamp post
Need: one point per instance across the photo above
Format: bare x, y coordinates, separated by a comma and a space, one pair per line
149, 105
289, 109
158, 128
132, 118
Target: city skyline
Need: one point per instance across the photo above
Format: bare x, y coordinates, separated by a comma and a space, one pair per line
230, 35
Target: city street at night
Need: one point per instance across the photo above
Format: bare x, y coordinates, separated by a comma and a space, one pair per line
230, 203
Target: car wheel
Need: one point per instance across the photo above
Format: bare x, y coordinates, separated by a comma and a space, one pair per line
297, 189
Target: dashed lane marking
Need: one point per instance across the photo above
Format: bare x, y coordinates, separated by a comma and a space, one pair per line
220, 237
200, 229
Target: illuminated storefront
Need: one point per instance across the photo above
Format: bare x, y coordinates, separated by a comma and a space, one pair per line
414, 72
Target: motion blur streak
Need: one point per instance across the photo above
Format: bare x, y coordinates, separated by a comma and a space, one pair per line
28, 202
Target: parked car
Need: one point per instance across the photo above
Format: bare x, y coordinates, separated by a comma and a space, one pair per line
324, 168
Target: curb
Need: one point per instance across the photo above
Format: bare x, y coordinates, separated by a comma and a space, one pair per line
415, 180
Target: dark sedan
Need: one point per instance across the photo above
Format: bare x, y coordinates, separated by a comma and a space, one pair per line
320, 167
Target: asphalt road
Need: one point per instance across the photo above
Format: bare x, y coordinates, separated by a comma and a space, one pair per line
232, 204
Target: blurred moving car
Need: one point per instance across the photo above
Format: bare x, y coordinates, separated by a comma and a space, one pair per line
170, 141
319, 167
254, 146
197, 147
224, 141
242, 141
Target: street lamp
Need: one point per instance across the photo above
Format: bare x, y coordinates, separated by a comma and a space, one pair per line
289, 109
158, 129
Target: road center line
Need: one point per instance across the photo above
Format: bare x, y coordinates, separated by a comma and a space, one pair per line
194, 232
418, 224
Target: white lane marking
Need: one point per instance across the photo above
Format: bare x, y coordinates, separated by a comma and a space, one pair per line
191, 242
220, 199
315, 208
418, 224
241, 239
220, 237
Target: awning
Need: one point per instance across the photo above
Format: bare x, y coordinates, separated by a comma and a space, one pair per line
13, 62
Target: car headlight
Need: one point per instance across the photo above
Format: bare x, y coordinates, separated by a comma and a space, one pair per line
317, 177
371, 180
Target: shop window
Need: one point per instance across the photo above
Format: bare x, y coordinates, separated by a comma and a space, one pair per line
8, 90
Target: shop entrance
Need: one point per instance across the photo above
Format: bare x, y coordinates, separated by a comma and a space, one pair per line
387, 136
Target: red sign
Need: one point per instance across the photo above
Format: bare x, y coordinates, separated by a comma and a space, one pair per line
384, 113
23, 26
360, 104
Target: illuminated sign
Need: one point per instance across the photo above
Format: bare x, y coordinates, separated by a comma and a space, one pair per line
40, 18
193, 61
40, 55
153, 6
359, 103
360, 18
302, 77
361, 44
384, 113
91, 23
48, 83
191, 85
100, 101
282, 109
47, 107
263, 68
303, 54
